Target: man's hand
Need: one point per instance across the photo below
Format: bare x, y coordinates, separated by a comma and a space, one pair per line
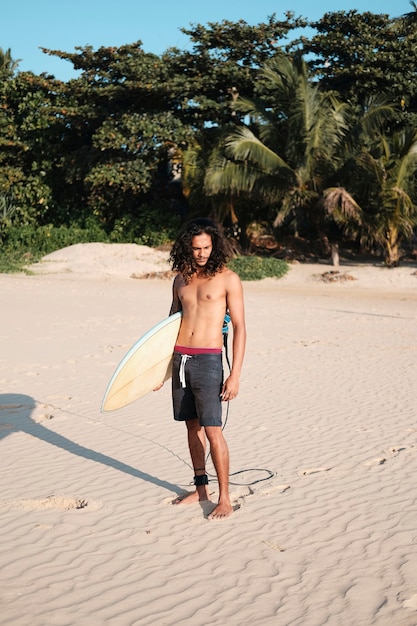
230, 388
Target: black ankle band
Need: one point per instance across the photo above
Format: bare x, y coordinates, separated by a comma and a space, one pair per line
201, 480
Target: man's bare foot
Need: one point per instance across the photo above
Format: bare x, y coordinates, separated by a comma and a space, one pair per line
191, 498
221, 511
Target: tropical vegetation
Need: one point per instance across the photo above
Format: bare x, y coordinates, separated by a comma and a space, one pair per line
278, 134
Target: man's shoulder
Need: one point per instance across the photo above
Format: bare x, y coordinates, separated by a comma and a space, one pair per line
229, 275
178, 279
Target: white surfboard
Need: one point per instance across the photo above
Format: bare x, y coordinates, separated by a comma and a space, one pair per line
147, 364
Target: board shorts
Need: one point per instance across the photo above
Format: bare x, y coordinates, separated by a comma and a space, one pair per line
197, 381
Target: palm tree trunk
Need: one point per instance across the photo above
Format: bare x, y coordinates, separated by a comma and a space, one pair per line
392, 248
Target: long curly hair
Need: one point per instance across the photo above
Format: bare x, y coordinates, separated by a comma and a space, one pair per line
181, 257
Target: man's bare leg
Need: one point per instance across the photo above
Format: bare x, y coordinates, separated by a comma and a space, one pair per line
197, 446
220, 455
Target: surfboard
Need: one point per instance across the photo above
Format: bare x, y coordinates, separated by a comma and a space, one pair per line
146, 365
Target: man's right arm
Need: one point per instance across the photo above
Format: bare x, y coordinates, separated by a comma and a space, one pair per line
175, 307
176, 302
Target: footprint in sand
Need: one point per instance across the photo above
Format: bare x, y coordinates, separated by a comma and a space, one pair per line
378, 461
266, 491
396, 449
65, 503
314, 470
273, 545
393, 450
43, 416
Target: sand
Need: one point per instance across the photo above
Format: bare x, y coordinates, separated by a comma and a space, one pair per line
323, 443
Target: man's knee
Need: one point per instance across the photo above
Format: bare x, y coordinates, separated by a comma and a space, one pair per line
214, 433
193, 425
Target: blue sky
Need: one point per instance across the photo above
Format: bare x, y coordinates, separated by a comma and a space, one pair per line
25, 25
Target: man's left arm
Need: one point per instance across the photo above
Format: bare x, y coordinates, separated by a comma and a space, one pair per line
235, 305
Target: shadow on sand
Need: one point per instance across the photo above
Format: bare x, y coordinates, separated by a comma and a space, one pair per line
15, 415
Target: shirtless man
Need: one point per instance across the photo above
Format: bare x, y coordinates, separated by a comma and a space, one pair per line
204, 289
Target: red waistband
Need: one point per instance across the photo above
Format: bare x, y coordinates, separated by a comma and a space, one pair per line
191, 351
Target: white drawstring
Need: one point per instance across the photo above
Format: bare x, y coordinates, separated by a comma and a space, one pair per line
184, 359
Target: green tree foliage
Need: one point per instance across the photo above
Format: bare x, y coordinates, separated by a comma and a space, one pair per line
120, 124
222, 64
30, 133
256, 134
362, 54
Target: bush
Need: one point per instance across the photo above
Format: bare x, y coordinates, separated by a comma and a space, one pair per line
27, 244
257, 267
11, 261
42, 240
150, 228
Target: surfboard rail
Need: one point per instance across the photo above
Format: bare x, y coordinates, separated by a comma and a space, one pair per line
145, 365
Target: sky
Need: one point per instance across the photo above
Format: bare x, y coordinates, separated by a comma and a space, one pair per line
27, 25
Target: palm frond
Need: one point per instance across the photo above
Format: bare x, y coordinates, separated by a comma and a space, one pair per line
339, 203
244, 146
230, 178
406, 149
374, 167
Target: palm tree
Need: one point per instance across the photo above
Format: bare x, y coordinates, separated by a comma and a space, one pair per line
410, 18
289, 150
300, 145
7, 65
387, 171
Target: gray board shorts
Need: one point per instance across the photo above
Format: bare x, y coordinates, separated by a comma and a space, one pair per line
197, 381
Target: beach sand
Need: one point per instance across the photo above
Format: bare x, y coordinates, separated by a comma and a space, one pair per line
322, 437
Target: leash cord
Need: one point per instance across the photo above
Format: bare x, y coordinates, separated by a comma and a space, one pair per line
269, 473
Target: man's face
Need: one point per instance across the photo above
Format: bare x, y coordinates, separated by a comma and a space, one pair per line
201, 246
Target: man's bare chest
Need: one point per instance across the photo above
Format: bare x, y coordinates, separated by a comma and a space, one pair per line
208, 291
